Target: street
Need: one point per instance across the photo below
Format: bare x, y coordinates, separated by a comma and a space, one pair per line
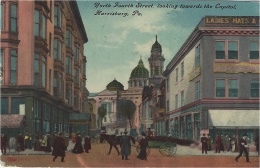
98, 158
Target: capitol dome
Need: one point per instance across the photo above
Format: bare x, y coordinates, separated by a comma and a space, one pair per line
156, 46
139, 71
115, 86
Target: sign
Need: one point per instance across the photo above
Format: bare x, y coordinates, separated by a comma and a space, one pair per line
194, 73
243, 67
22, 109
232, 20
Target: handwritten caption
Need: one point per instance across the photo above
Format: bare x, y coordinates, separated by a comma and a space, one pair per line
118, 6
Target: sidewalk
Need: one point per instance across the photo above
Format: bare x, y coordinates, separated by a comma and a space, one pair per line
181, 150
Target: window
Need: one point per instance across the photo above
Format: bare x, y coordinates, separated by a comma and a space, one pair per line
254, 50
135, 84
43, 74
13, 18
57, 50
145, 83
69, 94
182, 69
15, 104
68, 65
168, 106
2, 15
76, 76
57, 16
2, 67
76, 99
4, 105
176, 101
220, 50
68, 38
156, 70
177, 75
36, 69
13, 67
182, 98
43, 27
232, 88
232, 50
36, 23
57, 84
197, 56
76, 53
254, 91
197, 90
140, 83
176, 128
227, 50
220, 88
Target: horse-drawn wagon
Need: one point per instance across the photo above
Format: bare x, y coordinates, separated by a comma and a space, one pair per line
167, 146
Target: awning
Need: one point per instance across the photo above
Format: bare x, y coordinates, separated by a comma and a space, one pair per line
11, 120
233, 118
79, 118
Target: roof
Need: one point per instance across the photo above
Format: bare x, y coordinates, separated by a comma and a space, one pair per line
139, 71
115, 86
156, 46
11, 120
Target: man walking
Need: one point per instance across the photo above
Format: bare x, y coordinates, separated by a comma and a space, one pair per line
58, 148
3, 143
125, 145
204, 144
242, 148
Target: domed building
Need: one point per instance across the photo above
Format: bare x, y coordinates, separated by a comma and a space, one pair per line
115, 86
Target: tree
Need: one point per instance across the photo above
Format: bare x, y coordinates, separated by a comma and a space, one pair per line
102, 112
126, 109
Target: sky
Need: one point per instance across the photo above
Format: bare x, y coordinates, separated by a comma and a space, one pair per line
117, 39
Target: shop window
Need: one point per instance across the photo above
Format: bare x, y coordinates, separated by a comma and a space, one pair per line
4, 105
15, 104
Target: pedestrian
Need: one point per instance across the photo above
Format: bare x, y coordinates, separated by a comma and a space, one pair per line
26, 141
87, 144
66, 140
242, 148
125, 145
221, 143
204, 143
3, 143
143, 144
37, 144
20, 143
218, 141
30, 141
78, 148
226, 143
48, 144
53, 137
234, 143
58, 148
209, 148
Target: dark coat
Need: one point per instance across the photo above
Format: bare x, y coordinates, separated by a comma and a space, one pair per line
125, 145
48, 146
59, 147
143, 145
20, 141
87, 144
78, 148
3, 141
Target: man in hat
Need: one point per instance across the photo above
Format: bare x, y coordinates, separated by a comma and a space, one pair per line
125, 145
59, 148
204, 143
242, 148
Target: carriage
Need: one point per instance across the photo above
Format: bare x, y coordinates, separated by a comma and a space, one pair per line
167, 145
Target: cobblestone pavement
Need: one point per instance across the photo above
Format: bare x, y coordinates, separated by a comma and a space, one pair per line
185, 157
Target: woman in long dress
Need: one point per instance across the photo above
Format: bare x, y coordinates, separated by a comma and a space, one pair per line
143, 145
78, 148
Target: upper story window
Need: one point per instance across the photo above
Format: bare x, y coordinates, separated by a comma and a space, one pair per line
140, 83
57, 49
13, 67
254, 90
182, 98
39, 70
13, 18
76, 76
254, 50
167, 106
182, 69
57, 16
197, 90
39, 24
68, 38
76, 53
176, 101
197, 56
156, 70
2, 67
226, 50
176, 77
2, 15
68, 65
230, 84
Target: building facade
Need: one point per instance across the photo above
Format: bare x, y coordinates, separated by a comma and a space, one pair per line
212, 83
43, 68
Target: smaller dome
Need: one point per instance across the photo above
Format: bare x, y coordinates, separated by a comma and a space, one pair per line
115, 86
139, 71
156, 46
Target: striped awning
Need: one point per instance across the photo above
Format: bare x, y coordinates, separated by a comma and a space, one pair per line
11, 120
